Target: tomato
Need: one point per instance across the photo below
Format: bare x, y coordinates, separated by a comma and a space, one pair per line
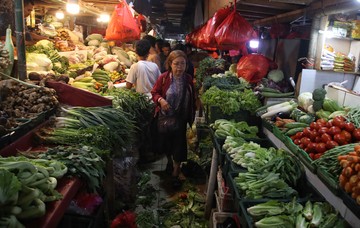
311, 155
307, 150
313, 135
317, 156
302, 146
323, 130
356, 134
297, 141
318, 139
350, 127
320, 147
329, 124
331, 144
305, 141
298, 135
314, 125
321, 122
326, 137
311, 147
307, 132
339, 138
339, 122
334, 130
347, 135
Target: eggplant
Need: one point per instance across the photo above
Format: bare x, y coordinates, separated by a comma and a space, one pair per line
282, 115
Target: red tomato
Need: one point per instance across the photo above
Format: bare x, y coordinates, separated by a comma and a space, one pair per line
305, 141
311, 155
322, 122
317, 156
339, 122
347, 135
334, 130
297, 141
302, 146
311, 147
350, 127
318, 139
314, 125
356, 134
298, 135
313, 135
329, 124
331, 144
307, 150
323, 130
325, 137
320, 148
339, 138
307, 132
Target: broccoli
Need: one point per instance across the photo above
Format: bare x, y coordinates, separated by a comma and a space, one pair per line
317, 105
319, 94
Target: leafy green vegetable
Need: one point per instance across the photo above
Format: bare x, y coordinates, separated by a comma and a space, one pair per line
276, 75
279, 221
208, 67
9, 188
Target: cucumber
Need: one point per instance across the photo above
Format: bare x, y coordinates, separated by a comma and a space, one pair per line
270, 90
296, 125
272, 94
293, 131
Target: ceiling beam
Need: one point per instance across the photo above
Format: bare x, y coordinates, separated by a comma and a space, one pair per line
266, 4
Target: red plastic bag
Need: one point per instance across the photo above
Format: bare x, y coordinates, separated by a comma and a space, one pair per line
254, 67
122, 25
212, 24
233, 31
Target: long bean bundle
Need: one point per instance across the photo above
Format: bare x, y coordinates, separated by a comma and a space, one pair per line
354, 116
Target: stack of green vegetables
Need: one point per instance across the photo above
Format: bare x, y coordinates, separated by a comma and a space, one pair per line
231, 101
227, 81
105, 128
132, 102
82, 161
293, 214
208, 67
25, 184
224, 128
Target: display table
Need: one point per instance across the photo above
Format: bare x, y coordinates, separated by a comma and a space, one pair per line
334, 200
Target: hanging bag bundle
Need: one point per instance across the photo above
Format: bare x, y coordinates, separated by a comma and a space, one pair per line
122, 25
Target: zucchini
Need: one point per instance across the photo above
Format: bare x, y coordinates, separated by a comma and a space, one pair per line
293, 131
296, 125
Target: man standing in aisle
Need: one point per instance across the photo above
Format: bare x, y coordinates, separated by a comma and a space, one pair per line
144, 73
142, 76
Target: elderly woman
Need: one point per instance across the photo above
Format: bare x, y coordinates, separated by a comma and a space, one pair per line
173, 94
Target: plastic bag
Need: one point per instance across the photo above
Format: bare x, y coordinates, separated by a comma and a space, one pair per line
233, 31
122, 25
212, 25
254, 67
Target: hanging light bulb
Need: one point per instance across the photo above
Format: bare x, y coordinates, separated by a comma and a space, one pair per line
72, 7
254, 44
59, 15
104, 18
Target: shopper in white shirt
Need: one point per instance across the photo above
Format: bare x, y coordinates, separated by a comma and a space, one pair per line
143, 74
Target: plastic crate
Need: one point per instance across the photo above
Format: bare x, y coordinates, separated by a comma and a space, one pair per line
291, 146
306, 160
350, 202
278, 133
220, 217
4, 140
23, 128
325, 177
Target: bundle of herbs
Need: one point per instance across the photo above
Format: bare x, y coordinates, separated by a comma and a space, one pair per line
130, 101
208, 67
82, 161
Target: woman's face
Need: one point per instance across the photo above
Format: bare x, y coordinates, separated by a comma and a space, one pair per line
178, 66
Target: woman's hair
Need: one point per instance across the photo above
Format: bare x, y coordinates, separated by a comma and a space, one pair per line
173, 55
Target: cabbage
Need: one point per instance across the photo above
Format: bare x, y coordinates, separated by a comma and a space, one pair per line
305, 100
9, 188
276, 75
41, 60
45, 44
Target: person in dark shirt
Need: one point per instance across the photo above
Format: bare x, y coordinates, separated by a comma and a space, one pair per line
166, 49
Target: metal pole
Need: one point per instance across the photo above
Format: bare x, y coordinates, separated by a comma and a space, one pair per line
20, 39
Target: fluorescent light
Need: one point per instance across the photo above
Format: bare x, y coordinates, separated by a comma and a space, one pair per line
72, 7
254, 44
104, 18
59, 15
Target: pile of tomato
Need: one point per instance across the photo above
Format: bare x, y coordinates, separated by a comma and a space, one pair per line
324, 135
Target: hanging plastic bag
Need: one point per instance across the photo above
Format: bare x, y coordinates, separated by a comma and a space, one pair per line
212, 24
233, 31
122, 25
254, 67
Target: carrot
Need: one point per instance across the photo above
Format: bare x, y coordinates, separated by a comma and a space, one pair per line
344, 163
354, 195
352, 153
343, 180
358, 199
354, 179
348, 187
356, 190
352, 158
348, 171
357, 167
342, 157
357, 148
